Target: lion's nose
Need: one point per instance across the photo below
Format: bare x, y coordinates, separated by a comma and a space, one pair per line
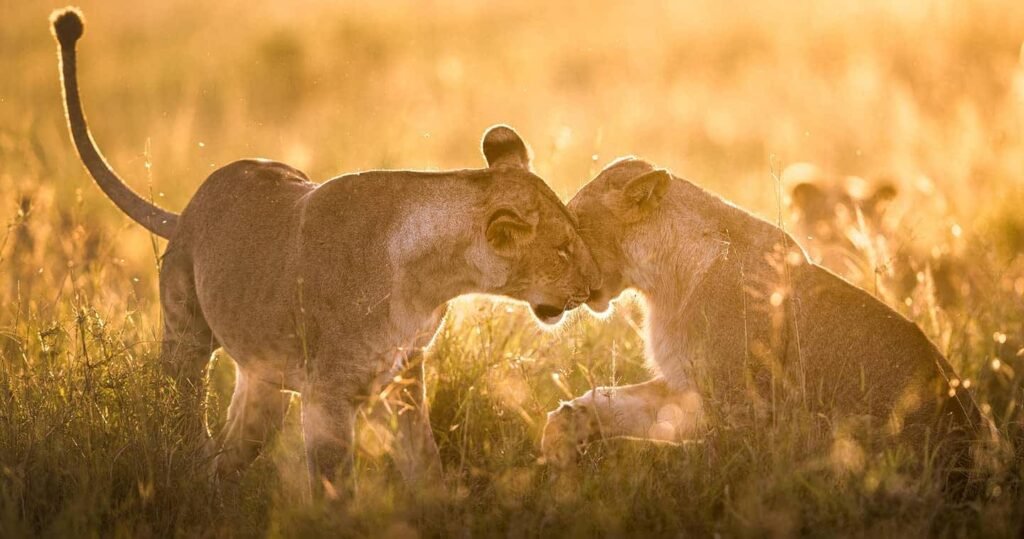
595, 295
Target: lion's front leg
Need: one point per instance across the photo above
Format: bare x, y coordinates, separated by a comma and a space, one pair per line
405, 411
330, 400
651, 410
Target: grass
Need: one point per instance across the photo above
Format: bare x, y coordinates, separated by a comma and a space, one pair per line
929, 95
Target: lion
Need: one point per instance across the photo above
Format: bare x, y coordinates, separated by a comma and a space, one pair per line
834, 217
849, 226
331, 290
739, 322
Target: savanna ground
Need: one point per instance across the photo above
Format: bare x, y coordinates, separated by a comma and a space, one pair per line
929, 96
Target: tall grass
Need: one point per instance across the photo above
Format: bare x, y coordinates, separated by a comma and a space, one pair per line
930, 95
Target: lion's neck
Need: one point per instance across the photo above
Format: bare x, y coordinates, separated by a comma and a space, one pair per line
429, 253
436, 275
716, 299
672, 274
669, 266
667, 290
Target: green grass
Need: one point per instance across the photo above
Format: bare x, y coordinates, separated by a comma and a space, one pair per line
929, 95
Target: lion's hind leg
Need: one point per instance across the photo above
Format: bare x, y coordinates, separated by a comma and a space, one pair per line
255, 416
188, 341
651, 411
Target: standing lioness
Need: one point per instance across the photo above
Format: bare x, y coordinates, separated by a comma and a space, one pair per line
329, 289
741, 323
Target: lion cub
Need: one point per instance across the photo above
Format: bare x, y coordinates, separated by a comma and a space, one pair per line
739, 321
330, 290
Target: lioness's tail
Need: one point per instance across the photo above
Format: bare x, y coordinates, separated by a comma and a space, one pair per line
68, 27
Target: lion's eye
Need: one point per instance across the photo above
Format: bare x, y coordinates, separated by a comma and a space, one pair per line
563, 252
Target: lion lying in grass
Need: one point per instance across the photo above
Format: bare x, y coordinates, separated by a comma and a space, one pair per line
741, 325
331, 290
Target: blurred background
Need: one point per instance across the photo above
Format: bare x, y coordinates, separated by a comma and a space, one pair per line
928, 93
747, 99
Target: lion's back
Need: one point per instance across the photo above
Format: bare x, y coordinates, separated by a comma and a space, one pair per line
241, 198
871, 358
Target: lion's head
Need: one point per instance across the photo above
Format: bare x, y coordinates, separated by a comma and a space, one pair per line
529, 246
613, 211
827, 210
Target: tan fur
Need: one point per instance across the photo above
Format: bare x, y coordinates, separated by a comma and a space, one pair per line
332, 290
738, 316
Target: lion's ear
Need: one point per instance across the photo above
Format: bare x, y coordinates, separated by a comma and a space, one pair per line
641, 195
880, 199
507, 231
503, 147
806, 196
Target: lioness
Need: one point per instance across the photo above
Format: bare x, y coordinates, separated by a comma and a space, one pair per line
330, 289
739, 322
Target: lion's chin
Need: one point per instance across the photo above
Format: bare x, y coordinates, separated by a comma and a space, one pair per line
548, 314
599, 304
552, 320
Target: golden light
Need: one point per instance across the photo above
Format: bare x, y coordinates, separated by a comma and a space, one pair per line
922, 209
847, 456
561, 385
662, 431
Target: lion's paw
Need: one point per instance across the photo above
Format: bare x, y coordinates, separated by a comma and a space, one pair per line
565, 434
